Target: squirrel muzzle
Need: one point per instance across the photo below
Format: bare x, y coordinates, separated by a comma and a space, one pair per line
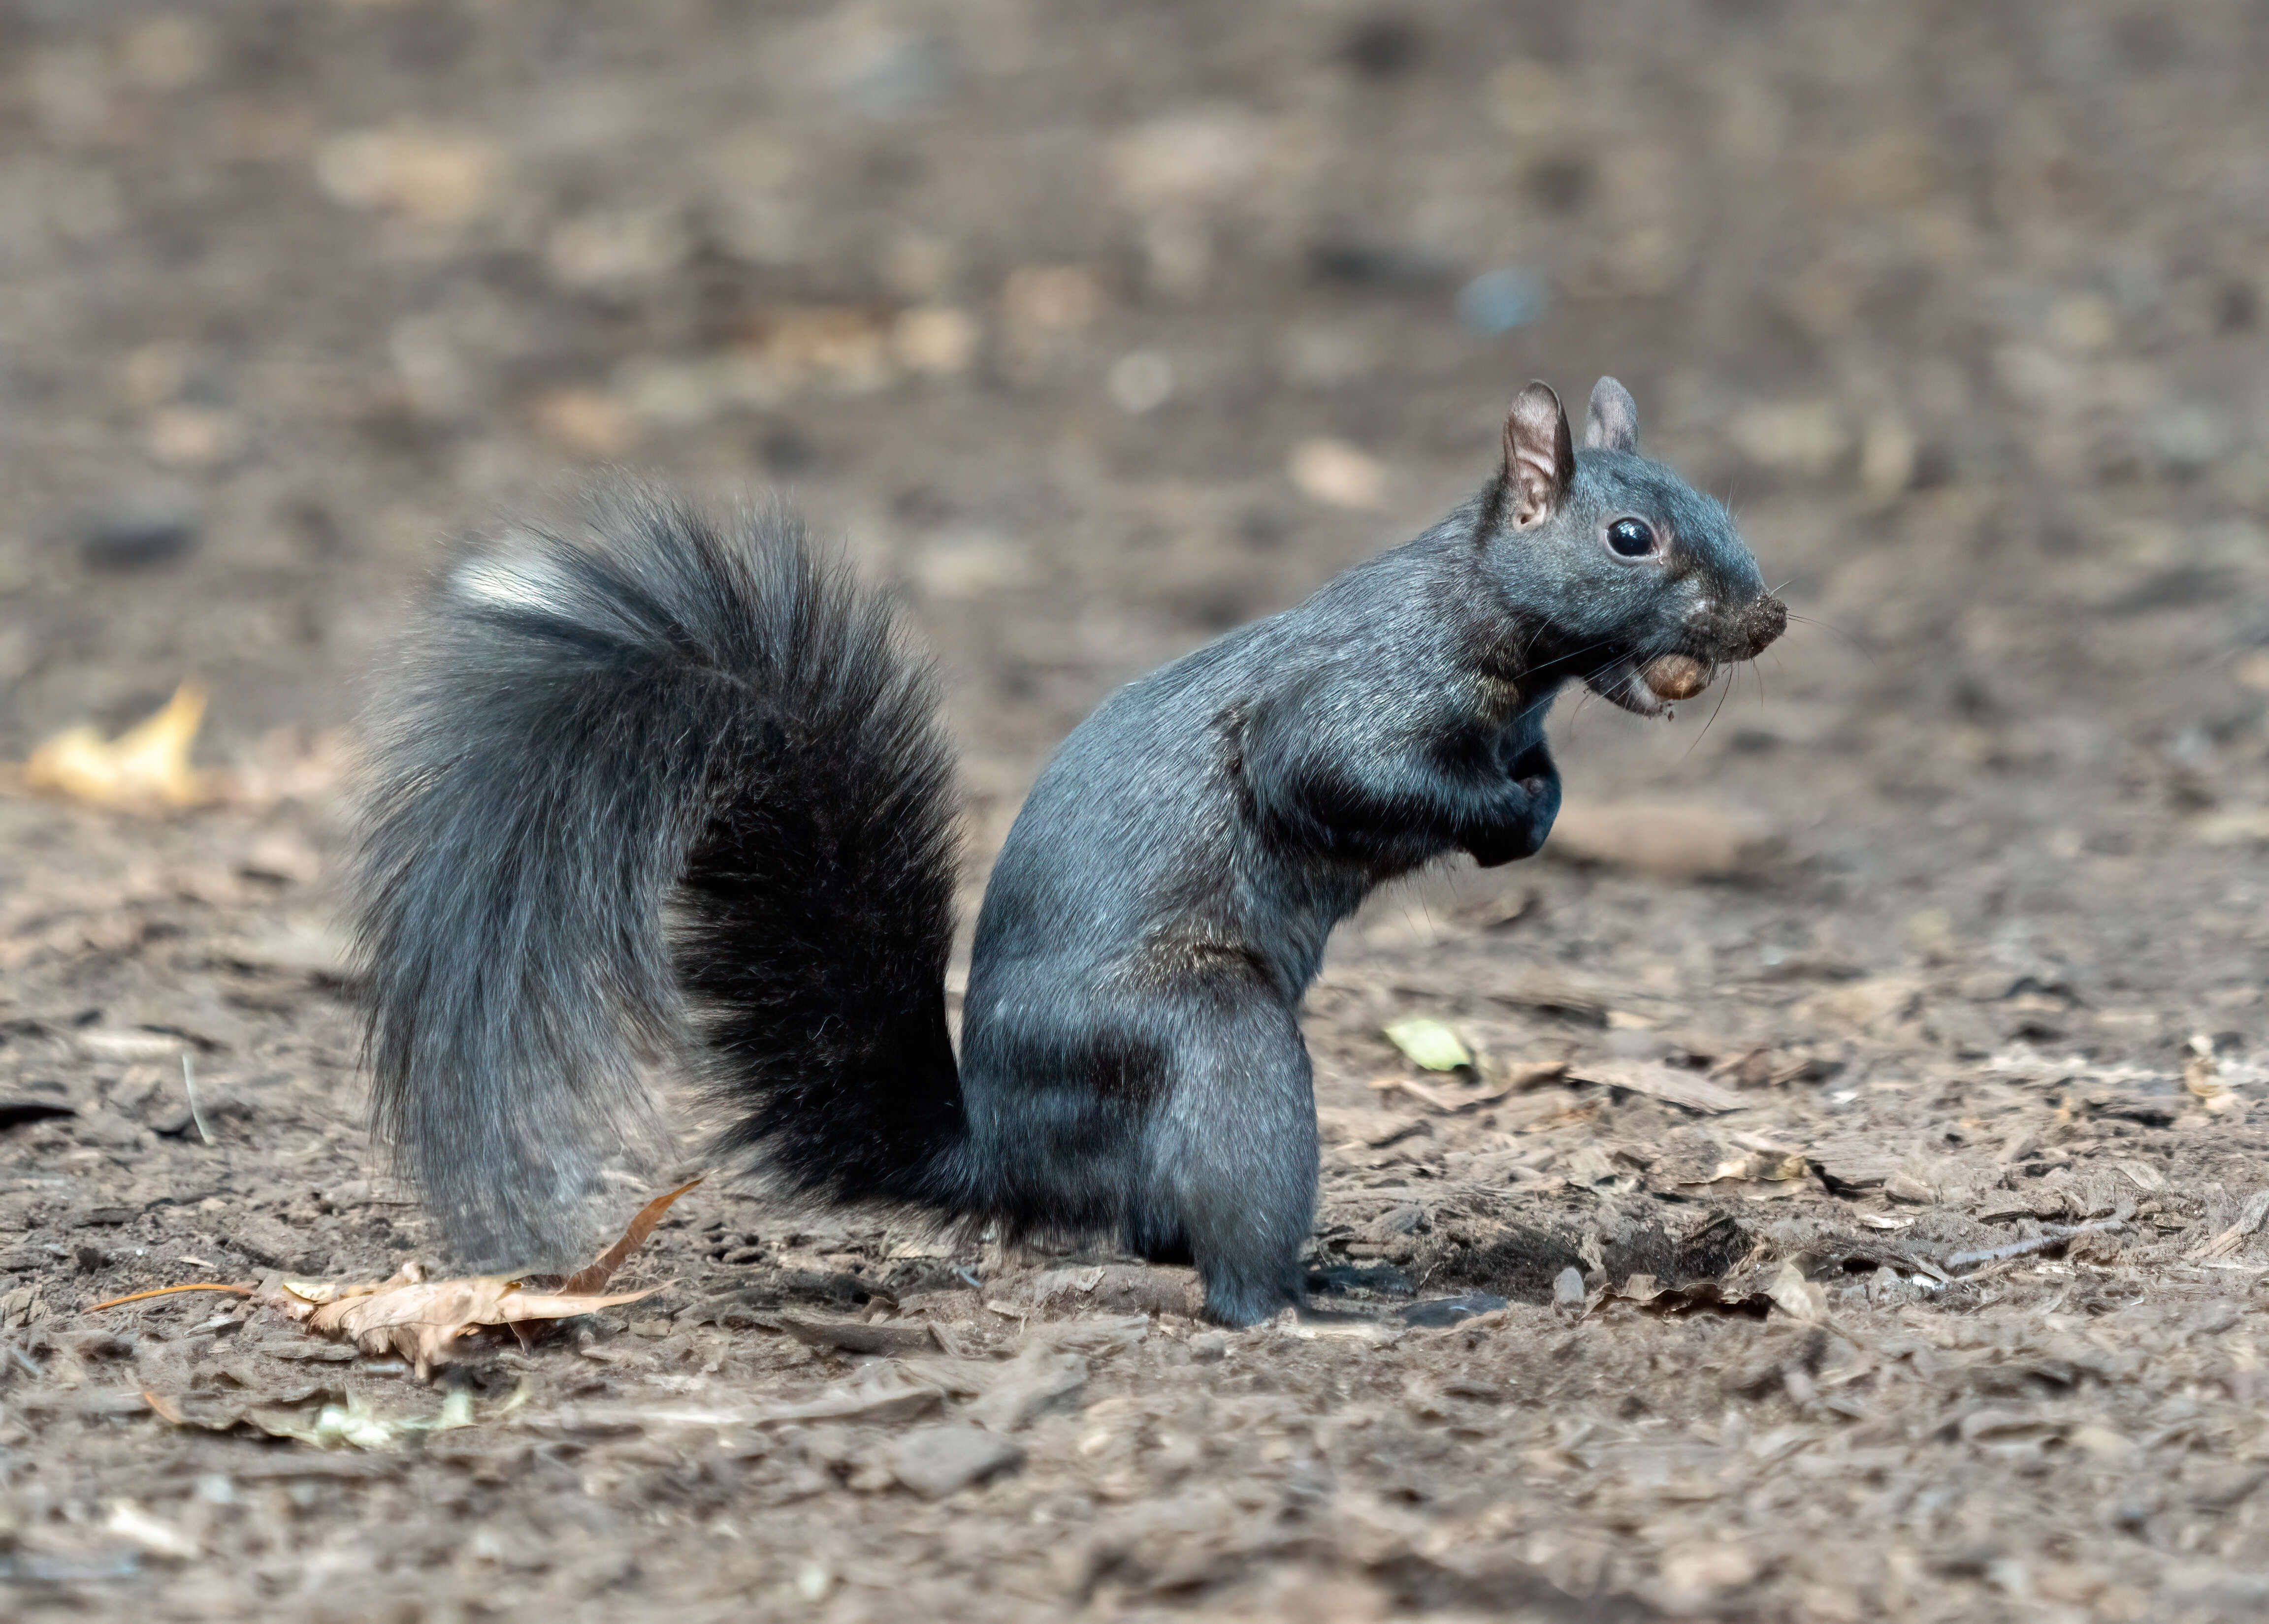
1750, 630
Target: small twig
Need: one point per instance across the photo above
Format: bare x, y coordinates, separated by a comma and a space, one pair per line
197, 1112
2057, 1237
164, 1291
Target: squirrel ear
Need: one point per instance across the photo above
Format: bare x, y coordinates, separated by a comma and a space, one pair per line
1539, 457
1614, 425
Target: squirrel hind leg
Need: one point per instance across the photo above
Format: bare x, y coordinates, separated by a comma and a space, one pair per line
1229, 1173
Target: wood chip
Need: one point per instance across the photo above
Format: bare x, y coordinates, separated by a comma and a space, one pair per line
1677, 840
893, 1339
1038, 1380
1448, 1101
1690, 1090
2257, 1209
871, 1403
1902, 1187
1855, 1163
938, 1461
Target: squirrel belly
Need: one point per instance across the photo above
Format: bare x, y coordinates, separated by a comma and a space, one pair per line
673, 790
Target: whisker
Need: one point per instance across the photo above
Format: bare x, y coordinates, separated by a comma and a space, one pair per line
1724, 694
1536, 634
1852, 638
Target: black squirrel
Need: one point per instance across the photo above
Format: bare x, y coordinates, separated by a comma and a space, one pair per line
675, 787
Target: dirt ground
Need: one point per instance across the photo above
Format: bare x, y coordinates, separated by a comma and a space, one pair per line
1883, 1052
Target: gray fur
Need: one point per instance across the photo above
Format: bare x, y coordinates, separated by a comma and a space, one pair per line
1612, 423
1131, 1063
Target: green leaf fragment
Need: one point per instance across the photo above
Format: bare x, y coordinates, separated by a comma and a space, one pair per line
1429, 1043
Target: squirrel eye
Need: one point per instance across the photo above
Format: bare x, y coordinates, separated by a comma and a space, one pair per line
1631, 538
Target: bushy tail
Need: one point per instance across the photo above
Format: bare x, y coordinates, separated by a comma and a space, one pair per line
671, 775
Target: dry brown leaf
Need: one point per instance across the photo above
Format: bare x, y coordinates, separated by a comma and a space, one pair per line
163, 1407
302, 1298
422, 1319
146, 765
600, 1270
1689, 1090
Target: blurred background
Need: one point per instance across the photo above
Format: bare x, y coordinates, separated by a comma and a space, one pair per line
1101, 327
1097, 327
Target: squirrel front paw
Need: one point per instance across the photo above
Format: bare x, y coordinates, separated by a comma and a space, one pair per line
1532, 800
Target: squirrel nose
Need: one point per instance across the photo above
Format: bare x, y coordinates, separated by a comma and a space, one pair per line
1760, 623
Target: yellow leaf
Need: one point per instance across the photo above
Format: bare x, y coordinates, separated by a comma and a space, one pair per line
1430, 1043
146, 765
1798, 1297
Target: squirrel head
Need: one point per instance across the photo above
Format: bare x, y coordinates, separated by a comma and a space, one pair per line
1622, 560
